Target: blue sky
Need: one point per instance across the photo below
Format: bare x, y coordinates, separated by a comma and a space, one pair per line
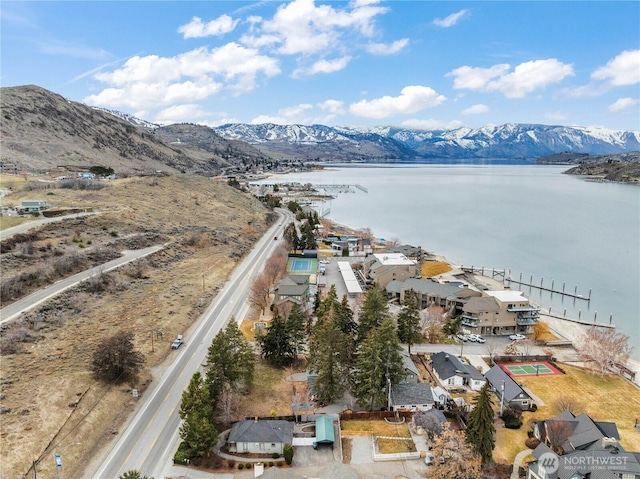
414, 64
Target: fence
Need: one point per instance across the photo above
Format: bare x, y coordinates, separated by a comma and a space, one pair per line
522, 358
351, 416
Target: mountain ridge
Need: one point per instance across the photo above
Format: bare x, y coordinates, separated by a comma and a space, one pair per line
42, 131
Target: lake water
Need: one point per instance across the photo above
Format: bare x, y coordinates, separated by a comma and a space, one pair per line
531, 220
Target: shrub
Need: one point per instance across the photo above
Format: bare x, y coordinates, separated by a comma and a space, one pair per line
287, 452
182, 455
113, 233
532, 442
240, 466
231, 463
270, 464
248, 465
275, 455
512, 418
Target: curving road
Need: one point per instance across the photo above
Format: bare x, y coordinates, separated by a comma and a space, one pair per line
15, 309
148, 441
9, 232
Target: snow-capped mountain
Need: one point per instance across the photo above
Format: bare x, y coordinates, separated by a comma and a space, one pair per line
129, 118
384, 142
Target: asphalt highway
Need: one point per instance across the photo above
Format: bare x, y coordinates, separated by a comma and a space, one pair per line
149, 439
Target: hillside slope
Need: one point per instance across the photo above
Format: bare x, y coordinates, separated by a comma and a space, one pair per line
48, 393
43, 131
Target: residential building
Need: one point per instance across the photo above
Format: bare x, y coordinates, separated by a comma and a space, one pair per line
294, 288
430, 292
382, 268
32, 206
260, 436
411, 397
453, 374
509, 393
499, 313
411, 372
577, 447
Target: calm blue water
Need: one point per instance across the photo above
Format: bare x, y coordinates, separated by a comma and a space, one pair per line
532, 220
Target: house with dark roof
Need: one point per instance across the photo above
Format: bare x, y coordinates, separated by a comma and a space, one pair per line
589, 450
454, 374
411, 372
294, 288
509, 392
411, 397
260, 436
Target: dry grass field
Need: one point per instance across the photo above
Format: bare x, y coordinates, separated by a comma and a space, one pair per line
434, 268
608, 398
374, 428
51, 401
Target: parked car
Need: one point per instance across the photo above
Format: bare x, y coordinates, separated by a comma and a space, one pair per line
462, 337
478, 339
428, 459
517, 337
177, 342
472, 337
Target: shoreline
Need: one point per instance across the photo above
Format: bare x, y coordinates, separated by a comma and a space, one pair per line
564, 328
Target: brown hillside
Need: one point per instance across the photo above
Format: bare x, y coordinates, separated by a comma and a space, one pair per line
48, 394
43, 131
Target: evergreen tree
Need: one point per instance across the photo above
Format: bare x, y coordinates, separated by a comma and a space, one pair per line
327, 343
375, 309
379, 364
296, 324
409, 319
277, 345
197, 431
230, 362
480, 430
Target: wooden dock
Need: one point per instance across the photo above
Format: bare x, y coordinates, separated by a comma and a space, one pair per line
550, 289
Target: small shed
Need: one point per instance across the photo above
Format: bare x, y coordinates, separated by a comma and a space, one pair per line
324, 430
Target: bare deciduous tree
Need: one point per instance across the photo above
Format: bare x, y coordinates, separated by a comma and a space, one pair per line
431, 322
556, 433
539, 330
567, 403
259, 292
275, 267
605, 349
459, 459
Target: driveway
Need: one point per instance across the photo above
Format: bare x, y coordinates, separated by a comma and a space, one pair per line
361, 450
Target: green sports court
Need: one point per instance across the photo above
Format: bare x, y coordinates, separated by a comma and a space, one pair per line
302, 265
516, 370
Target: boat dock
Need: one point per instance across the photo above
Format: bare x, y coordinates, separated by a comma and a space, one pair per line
551, 288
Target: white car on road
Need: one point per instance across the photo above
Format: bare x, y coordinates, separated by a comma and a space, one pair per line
476, 338
517, 337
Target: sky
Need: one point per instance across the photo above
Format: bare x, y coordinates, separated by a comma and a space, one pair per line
410, 64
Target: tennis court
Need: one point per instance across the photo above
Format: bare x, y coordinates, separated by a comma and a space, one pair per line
302, 265
530, 369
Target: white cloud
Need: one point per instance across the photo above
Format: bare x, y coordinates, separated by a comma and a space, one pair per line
556, 116
186, 112
451, 20
197, 29
525, 78
323, 66
411, 100
286, 116
624, 104
622, 70
476, 109
152, 81
476, 78
430, 124
334, 106
387, 48
301, 27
